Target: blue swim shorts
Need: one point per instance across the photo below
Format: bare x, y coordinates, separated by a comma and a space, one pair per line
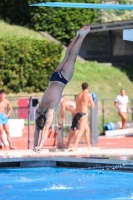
3, 119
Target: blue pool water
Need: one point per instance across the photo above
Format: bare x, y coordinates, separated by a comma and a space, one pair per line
64, 183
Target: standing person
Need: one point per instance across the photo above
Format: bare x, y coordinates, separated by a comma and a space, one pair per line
121, 103
52, 95
4, 126
66, 105
83, 100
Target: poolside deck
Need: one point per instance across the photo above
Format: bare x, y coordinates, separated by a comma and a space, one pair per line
97, 157
108, 152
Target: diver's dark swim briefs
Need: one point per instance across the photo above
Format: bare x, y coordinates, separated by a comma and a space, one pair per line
75, 122
57, 76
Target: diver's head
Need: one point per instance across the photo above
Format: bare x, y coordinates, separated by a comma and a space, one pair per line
40, 121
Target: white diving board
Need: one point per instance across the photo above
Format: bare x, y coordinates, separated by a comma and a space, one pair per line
128, 34
121, 132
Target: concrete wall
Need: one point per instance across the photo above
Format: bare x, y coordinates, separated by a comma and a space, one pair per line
107, 46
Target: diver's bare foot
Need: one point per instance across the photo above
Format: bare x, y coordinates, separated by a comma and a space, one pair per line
83, 31
37, 149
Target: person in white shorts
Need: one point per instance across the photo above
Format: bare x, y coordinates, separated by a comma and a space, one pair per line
121, 102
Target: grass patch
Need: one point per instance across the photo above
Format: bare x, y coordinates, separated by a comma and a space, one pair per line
31, 122
8, 31
106, 81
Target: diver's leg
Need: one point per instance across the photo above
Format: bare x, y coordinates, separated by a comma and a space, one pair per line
68, 68
60, 66
72, 52
36, 136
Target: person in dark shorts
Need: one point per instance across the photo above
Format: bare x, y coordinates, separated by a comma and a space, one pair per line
80, 121
53, 94
74, 130
75, 122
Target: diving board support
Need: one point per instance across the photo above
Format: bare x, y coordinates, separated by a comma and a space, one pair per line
121, 132
128, 34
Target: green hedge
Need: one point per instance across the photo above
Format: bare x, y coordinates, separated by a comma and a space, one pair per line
26, 64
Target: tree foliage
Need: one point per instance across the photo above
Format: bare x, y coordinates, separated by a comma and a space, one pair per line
15, 11
62, 23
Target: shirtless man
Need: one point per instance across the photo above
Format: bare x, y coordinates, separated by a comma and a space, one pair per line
4, 126
66, 105
52, 95
83, 100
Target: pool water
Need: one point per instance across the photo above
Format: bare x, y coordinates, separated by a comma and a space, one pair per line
51, 183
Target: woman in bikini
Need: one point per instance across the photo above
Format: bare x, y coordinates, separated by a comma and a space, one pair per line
51, 98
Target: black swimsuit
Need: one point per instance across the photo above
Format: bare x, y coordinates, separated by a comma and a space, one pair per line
75, 122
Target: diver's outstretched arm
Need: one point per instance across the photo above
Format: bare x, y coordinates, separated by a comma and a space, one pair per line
36, 136
45, 131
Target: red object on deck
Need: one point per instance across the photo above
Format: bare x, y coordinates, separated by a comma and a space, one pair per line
23, 108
